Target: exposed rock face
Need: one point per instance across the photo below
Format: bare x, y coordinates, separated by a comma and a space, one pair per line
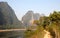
36, 16
7, 15
29, 17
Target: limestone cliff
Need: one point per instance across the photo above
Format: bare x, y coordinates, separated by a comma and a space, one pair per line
8, 17
29, 17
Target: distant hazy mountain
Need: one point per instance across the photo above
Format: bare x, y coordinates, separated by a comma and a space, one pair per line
29, 17
8, 17
36, 16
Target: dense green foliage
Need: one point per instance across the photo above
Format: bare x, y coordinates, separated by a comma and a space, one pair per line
50, 23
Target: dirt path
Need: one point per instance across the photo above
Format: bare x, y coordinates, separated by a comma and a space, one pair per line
47, 35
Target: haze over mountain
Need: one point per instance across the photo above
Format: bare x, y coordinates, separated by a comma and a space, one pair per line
8, 17
29, 17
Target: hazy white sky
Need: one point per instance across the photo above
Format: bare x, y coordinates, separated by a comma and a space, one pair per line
39, 6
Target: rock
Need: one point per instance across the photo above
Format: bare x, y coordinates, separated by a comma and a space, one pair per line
8, 17
29, 17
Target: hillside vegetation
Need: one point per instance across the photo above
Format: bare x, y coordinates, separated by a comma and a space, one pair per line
49, 23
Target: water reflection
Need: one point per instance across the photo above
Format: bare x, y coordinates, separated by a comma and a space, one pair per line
12, 34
